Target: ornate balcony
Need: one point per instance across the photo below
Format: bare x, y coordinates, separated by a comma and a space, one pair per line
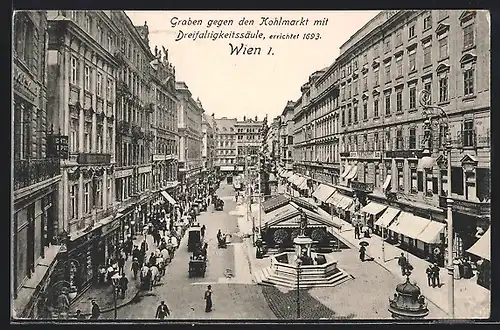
94, 158
362, 186
473, 208
31, 171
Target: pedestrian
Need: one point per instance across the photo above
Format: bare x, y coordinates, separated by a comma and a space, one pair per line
135, 267
203, 229
79, 315
435, 277
362, 252
402, 262
356, 232
162, 311
123, 284
152, 259
96, 311
121, 263
429, 271
144, 246
208, 299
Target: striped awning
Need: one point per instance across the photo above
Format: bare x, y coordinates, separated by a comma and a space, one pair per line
482, 248
323, 192
387, 217
409, 225
373, 208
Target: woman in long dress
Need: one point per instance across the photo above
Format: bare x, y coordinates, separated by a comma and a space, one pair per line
208, 299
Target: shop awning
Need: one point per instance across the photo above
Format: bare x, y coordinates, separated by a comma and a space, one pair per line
335, 198
345, 203
373, 208
346, 171
409, 225
288, 174
387, 182
280, 214
168, 197
387, 217
299, 180
292, 178
352, 173
431, 233
323, 192
482, 248
282, 173
303, 184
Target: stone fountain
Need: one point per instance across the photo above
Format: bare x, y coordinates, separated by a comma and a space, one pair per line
310, 269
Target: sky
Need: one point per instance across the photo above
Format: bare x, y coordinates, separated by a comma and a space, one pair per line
249, 85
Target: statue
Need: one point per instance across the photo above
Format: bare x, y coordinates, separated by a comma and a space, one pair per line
303, 222
165, 51
156, 51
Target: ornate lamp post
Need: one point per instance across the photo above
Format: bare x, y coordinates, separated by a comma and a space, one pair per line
408, 303
437, 116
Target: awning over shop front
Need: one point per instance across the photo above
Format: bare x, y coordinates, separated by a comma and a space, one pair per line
323, 192
288, 174
373, 208
280, 214
282, 173
168, 197
345, 203
303, 185
292, 178
387, 217
482, 248
409, 225
431, 233
352, 173
299, 180
387, 182
346, 171
334, 199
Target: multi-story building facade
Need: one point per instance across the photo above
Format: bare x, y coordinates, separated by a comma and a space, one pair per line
164, 125
36, 168
208, 152
82, 73
286, 135
189, 116
378, 75
134, 113
248, 142
225, 133
272, 139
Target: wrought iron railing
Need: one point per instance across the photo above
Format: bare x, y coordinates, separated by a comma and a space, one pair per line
31, 171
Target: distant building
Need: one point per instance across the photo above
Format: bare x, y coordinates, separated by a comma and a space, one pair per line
225, 145
248, 142
208, 152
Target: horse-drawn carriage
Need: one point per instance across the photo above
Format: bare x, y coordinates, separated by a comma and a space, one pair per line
197, 266
194, 238
202, 204
222, 241
219, 204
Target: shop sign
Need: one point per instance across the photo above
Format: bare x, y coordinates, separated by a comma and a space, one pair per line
110, 227
24, 85
145, 169
124, 173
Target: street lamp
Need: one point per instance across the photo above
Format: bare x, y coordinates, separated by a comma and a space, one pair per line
299, 263
116, 282
427, 162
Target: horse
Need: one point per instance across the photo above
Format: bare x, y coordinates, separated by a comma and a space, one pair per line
160, 263
155, 275
146, 278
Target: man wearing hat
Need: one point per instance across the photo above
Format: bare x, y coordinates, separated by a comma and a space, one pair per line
162, 311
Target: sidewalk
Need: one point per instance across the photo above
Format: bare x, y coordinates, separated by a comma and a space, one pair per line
104, 295
471, 300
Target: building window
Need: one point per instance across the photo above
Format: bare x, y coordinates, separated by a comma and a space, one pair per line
365, 82
399, 101
443, 89
98, 194
375, 50
388, 73
429, 183
375, 108
399, 139
444, 182
443, 48
375, 141
87, 78
412, 138
387, 44
349, 89
399, 39
74, 136
428, 88
388, 141
469, 82
87, 135
411, 31
412, 61
413, 97
427, 54
74, 70
109, 88
468, 133
401, 184
355, 85
399, 66
99, 84
24, 33
349, 116
86, 198
365, 142
413, 178
343, 117
355, 114
73, 201
88, 23
376, 76
365, 111
427, 22
387, 104
468, 36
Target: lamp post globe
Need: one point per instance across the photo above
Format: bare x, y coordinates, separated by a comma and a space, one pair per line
427, 162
